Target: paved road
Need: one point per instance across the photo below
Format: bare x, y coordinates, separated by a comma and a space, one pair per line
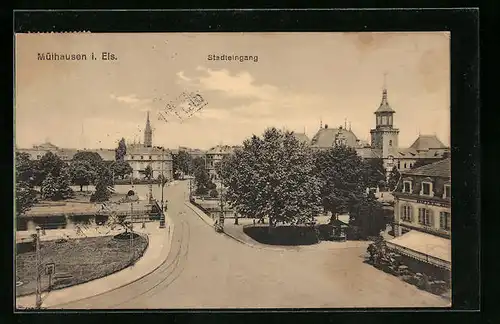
210, 270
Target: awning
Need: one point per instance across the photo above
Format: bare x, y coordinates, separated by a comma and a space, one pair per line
424, 247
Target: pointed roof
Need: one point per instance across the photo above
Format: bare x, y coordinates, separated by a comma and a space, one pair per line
425, 142
148, 124
384, 105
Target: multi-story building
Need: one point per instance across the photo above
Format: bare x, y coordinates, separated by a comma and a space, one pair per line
384, 141
140, 156
422, 214
215, 156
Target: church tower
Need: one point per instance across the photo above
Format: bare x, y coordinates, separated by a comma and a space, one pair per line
384, 136
148, 134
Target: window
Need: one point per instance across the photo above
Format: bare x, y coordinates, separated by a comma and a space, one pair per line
425, 216
445, 220
406, 213
390, 142
405, 166
379, 120
407, 186
426, 188
399, 165
447, 191
142, 157
384, 120
150, 157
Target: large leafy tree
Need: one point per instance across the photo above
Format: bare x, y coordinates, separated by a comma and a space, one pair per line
82, 173
148, 172
343, 178
272, 176
202, 180
94, 159
375, 173
26, 196
48, 164
57, 188
367, 217
182, 162
121, 168
103, 183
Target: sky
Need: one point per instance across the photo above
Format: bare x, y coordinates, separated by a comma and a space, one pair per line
299, 81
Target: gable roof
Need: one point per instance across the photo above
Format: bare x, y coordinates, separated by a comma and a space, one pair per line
440, 169
425, 142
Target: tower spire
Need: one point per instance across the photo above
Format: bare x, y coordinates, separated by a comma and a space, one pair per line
148, 133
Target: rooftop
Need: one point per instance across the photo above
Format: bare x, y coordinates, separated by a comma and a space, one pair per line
425, 142
384, 105
325, 137
440, 168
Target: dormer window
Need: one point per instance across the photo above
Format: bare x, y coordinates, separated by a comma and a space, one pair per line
426, 189
447, 191
407, 186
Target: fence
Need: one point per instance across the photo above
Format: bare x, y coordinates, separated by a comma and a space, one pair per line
420, 256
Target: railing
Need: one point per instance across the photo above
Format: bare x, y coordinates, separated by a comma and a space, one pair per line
420, 256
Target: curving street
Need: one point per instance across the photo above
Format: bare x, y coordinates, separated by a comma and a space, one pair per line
206, 269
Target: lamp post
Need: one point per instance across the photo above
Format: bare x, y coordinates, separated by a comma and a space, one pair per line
38, 266
162, 215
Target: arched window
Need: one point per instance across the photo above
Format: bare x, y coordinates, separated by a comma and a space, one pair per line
390, 142
405, 165
406, 213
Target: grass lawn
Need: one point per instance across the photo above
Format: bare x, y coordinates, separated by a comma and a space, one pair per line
83, 259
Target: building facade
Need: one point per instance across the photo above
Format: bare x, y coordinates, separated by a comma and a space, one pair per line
140, 156
422, 215
423, 200
214, 156
384, 141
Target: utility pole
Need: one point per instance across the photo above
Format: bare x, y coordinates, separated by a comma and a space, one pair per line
38, 266
162, 216
131, 226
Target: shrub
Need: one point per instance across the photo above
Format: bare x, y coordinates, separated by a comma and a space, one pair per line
283, 235
214, 193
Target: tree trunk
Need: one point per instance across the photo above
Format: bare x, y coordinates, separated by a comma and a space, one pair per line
235, 219
270, 228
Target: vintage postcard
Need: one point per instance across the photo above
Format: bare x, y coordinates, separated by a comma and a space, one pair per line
232, 170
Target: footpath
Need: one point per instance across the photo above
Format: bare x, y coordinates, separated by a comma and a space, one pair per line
236, 232
154, 256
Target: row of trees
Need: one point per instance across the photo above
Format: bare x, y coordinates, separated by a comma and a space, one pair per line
279, 177
54, 177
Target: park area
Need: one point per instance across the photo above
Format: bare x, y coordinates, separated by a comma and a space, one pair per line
76, 260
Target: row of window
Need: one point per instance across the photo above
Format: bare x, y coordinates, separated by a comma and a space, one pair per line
405, 165
426, 189
425, 217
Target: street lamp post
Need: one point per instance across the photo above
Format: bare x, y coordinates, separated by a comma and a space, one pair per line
162, 215
38, 266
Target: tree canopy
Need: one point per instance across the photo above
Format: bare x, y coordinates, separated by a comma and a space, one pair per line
182, 162
393, 180
272, 176
26, 196
82, 173
343, 178
121, 150
367, 217
57, 188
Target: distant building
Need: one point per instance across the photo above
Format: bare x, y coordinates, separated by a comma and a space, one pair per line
214, 156
384, 141
139, 156
422, 213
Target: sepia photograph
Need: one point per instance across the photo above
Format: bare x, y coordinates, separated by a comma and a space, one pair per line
232, 170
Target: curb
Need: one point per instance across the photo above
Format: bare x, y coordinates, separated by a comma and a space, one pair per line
123, 285
197, 212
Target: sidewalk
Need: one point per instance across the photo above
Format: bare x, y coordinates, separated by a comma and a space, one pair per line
236, 232
156, 253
